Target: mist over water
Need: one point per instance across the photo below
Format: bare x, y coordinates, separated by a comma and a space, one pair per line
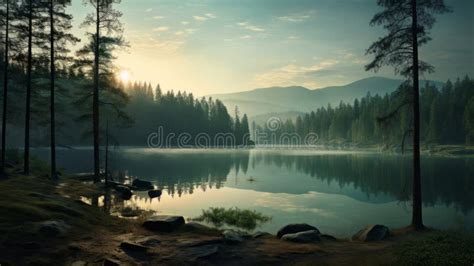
338, 191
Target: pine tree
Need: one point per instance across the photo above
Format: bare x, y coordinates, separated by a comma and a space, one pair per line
104, 19
6, 58
59, 39
408, 23
245, 130
469, 121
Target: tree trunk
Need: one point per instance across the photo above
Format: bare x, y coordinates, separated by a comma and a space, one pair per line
417, 218
52, 79
107, 153
5, 88
26, 159
95, 101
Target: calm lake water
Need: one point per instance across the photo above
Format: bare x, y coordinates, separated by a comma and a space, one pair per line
338, 192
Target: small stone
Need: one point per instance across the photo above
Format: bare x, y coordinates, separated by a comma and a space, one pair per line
129, 246
164, 223
124, 192
154, 193
295, 228
54, 228
232, 237
372, 233
310, 236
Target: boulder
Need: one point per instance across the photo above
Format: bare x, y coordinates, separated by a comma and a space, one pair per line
295, 228
232, 237
154, 193
124, 192
163, 223
310, 236
142, 184
129, 246
54, 228
372, 233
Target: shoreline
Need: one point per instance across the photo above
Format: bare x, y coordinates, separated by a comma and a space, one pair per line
426, 150
48, 222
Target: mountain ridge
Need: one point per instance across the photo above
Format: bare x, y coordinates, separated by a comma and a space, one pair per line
280, 99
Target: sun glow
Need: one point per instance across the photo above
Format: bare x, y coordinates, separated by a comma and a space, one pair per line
124, 76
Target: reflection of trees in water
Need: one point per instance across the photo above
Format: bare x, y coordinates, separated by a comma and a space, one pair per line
445, 180
183, 173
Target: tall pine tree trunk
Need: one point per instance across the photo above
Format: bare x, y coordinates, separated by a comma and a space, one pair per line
26, 159
107, 153
95, 101
417, 218
5, 87
52, 100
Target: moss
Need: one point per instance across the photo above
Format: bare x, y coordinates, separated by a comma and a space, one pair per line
437, 248
244, 219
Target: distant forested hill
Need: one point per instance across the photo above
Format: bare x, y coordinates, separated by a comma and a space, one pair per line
300, 99
447, 117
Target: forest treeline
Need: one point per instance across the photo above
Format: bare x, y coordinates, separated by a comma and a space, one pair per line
447, 117
59, 97
142, 110
203, 120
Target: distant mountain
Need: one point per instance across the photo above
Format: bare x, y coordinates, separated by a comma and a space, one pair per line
283, 116
300, 99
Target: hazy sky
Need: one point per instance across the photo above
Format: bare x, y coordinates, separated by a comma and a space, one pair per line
218, 46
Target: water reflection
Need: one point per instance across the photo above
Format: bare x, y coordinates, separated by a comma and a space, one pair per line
363, 176
340, 191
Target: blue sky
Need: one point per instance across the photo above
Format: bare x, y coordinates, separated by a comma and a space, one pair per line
218, 46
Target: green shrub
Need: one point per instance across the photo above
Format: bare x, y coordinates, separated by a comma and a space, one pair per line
244, 219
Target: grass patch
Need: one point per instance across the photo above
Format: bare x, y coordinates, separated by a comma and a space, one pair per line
244, 219
437, 248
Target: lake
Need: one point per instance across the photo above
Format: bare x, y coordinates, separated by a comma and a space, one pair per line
338, 192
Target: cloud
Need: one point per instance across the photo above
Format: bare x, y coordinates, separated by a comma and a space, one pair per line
296, 74
205, 17
157, 44
161, 29
185, 22
246, 25
245, 37
296, 17
293, 38
351, 57
200, 18
158, 17
210, 15
149, 10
